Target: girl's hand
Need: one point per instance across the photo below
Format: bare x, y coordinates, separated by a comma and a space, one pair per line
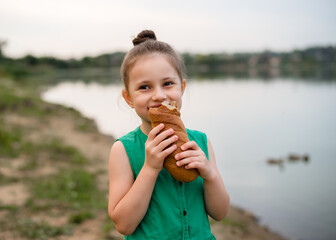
158, 146
193, 157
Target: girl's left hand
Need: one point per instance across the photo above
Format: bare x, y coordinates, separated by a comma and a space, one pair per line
193, 157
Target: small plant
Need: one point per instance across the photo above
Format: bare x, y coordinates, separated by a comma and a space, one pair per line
78, 218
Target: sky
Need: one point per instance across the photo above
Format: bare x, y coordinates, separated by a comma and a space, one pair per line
77, 28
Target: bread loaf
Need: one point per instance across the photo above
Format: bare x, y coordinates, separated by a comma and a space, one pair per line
169, 115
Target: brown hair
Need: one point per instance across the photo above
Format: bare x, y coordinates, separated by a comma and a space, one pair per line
145, 44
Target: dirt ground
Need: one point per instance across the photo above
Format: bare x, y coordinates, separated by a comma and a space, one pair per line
15, 193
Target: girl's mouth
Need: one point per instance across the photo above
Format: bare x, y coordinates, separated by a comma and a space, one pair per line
155, 106
168, 104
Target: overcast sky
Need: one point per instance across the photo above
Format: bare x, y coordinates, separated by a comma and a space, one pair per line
75, 28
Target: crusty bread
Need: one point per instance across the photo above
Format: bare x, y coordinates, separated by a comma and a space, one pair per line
169, 115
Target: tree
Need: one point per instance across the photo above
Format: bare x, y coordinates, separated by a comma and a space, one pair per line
2, 44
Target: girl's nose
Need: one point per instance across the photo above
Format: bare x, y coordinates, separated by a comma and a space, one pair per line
159, 95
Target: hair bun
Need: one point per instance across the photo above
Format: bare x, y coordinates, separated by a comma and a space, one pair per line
144, 36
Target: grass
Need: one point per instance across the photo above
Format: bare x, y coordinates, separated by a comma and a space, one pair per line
235, 224
41, 230
29, 165
11, 141
13, 144
10, 208
74, 187
108, 225
24, 99
60, 152
6, 180
82, 124
12, 100
85, 125
79, 217
34, 205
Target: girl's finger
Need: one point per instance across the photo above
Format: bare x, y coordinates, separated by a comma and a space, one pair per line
189, 145
186, 161
162, 136
193, 165
165, 143
186, 154
168, 151
155, 131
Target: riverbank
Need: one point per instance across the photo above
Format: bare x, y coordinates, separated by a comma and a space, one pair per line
54, 176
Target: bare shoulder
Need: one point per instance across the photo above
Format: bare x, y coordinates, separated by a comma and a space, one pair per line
118, 161
117, 148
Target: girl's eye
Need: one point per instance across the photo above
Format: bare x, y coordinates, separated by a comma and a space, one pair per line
144, 87
168, 83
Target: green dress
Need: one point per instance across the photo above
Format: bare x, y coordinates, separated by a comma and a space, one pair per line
176, 210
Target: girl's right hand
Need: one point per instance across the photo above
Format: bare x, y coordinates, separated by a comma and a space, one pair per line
156, 147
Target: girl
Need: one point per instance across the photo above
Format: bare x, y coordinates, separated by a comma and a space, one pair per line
145, 202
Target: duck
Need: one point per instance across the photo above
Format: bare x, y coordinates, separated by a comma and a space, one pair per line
294, 157
274, 161
305, 158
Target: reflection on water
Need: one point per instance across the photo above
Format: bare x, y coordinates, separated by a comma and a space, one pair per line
275, 143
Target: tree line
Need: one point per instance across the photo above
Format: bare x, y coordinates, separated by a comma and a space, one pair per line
310, 62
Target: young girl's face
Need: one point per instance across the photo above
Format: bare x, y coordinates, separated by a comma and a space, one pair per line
153, 80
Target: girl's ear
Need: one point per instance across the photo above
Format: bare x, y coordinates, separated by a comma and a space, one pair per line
183, 85
127, 98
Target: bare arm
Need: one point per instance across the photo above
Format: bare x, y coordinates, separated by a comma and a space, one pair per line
217, 200
129, 199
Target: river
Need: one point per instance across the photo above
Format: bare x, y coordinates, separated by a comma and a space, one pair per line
248, 122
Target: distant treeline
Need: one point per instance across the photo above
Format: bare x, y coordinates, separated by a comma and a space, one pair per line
314, 62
